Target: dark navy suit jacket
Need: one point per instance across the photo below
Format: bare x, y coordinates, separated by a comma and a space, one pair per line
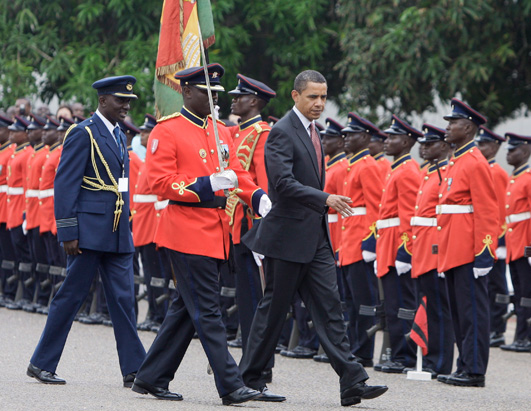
86, 215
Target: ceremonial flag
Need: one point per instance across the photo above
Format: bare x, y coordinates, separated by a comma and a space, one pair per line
179, 48
419, 331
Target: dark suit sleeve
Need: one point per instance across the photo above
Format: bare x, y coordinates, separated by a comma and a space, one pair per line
280, 154
67, 184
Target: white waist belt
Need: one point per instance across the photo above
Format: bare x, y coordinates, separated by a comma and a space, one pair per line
15, 191
46, 193
3, 189
358, 211
332, 218
32, 193
145, 198
454, 209
516, 218
159, 205
388, 222
423, 222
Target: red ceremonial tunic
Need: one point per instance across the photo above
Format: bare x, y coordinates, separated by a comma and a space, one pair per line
383, 164
464, 236
518, 199
46, 195
336, 172
33, 178
6, 151
181, 156
425, 235
398, 201
501, 179
363, 185
145, 215
134, 167
249, 140
16, 181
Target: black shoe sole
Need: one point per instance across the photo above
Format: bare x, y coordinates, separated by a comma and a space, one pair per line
270, 399
374, 394
227, 401
143, 391
30, 374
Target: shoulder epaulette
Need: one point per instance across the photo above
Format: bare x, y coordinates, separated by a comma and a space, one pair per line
68, 131
176, 114
260, 128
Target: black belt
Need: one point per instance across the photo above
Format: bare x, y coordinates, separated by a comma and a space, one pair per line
217, 202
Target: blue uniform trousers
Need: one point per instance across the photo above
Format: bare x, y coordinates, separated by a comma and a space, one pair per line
497, 285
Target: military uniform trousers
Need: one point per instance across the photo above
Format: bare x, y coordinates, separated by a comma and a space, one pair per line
440, 355
400, 291
155, 266
497, 285
22, 255
316, 283
521, 278
363, 288
117, 278
469, 304
38, 255
195, 309
8, 254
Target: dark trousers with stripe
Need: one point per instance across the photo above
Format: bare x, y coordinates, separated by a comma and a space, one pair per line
362, 285
521, 278
440, 328
497, 285
154, 267
196, 309
400, 291
39, 256
22, 254
469, 304
8, 254
117, 278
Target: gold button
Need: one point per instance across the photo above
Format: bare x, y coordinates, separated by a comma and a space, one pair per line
383, 189
416, 207
506, 205
440, 195
345, 183
40, 202
158, 214
414, 237
439, 228
510, 230
204, 160
508, 193
420, 192
212, 151
512, 181
348, 169
426, 178
208, 133
445, 179
377, 235
237, 134
451, 163
342, 227
217, 168
379, 205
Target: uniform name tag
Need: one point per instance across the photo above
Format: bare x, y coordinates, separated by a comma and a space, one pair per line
123, 185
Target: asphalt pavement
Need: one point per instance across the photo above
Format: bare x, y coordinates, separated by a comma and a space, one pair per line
90, 366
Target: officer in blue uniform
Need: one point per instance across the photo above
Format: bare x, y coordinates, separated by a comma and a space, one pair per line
92, 213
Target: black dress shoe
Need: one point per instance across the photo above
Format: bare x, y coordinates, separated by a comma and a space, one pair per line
155, 327
145, 326
361, 391
242, 394
299, 352
267, 376
321, 358
95, 318
280, 347
393, 367
517, 346
142, 387
129, 379
46, 377
269, 396
496, 339
236, 343
463, 379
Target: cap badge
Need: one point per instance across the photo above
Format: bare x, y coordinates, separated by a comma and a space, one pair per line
129, 86
215, 74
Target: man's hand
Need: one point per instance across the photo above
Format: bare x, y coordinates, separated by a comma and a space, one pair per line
72, 247
340, 204
223, 180
265, 205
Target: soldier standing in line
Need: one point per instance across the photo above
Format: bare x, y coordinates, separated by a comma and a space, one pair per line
376, 150
489, 143
518, 218
468, 226
432, 284
393, 245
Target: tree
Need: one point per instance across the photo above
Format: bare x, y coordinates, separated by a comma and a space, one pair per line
400, 54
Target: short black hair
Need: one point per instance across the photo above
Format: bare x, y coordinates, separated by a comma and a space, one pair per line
306, 76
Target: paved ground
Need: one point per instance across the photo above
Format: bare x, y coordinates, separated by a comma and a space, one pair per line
90, 366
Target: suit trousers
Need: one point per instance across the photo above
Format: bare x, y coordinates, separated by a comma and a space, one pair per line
521, 278
363, 287
400, 292
497, 285
440, 328
469, 304
195, 309
316, 283
8, 254
117, 278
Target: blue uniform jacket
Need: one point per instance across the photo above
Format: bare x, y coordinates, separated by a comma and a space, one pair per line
87, 214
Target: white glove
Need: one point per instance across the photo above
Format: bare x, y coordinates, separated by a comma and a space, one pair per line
368, 256
402, 268
223, 180
480, 272
501, 253
24, 231
258, 259
529, 260
216, 112
441, 275
264, 207
375, 267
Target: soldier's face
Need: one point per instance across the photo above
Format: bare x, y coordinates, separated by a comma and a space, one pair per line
311, 101
488, 148
196, 100
434, 150
331, 145
144, 137
18, 137
518, 156
35, 136
240, 104
456, 130
49, 137
4, 135
394, 144
114, 108
355, 142
375, 147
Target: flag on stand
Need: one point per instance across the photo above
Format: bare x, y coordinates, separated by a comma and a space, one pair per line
419, 331
179, 48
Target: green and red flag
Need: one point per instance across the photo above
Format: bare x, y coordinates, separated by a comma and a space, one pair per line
179, 48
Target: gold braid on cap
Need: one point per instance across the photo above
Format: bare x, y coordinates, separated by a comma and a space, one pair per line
97, 183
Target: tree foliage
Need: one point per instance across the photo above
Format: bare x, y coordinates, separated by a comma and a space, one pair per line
400, 54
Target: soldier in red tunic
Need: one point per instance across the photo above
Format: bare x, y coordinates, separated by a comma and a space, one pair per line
518, 219
376, 150
424, 263
489, 143
468, 226
393, 245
